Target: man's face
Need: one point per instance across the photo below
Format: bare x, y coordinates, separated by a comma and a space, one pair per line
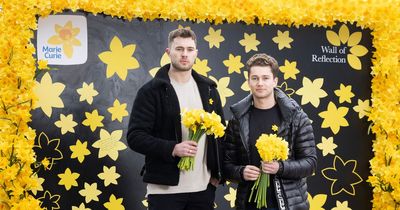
262, 82
182, 53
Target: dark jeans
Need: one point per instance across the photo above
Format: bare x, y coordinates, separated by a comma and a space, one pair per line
203, 200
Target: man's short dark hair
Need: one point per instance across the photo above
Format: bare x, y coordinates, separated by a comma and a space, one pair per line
263, 59
181, 32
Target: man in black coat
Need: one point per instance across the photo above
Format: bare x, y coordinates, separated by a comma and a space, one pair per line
266, 108
155, 130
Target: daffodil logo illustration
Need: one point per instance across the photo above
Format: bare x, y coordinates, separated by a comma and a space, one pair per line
66, 36
352, 41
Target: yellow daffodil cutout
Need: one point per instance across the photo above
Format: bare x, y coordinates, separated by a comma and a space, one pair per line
214, 38
245, 85
231, 197
49, 201
343, 176
344, 93
90, 192
327, 146
341, 206
233, 63
66, 36
109, 144
109, 175
164, 61
79, 150
334, 117
48, 149
81, 207
289, 70
362, 108
118, 111
201, 66
274, 128
68, 179
93, 120
48, 94
215, 205
119, 59
283, 40
285, 88
312, 91
114, 203
352, 41
210, 101
87, 92
145, 203
39, 184
66, 123
317, 202
222, 87
249, 42
186, 27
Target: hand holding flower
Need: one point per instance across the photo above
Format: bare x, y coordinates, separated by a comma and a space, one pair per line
251, 173
185, 149
270, 167
199, 122
271, 148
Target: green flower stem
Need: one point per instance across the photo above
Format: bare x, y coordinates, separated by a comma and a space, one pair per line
260, 186
187, 163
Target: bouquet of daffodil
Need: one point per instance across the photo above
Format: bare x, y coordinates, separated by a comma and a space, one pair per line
270, 147
199, 122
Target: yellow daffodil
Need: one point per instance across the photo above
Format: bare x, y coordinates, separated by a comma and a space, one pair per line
270, 147
66, 36
42, 65
199, 122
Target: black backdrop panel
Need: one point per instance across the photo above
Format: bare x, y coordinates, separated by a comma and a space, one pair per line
342, 170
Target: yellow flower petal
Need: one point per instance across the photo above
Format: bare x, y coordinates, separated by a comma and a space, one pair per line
354, 61
333, 38
75, 42
55, 40
359, 50
68, 50
354, 39
75, 31
344, 33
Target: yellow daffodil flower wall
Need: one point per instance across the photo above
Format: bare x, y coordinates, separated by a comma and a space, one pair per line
18, 20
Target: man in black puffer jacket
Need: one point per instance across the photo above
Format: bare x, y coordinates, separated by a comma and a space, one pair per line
267, 107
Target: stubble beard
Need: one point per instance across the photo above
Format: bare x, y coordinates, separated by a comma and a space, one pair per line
179, 67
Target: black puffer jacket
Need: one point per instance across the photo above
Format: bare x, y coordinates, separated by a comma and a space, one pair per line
290, 181
155, 127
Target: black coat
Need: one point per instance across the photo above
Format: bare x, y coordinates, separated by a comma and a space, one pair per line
296, 129
155, 127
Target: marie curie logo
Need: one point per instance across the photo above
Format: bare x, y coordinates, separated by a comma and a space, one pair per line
62, 39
